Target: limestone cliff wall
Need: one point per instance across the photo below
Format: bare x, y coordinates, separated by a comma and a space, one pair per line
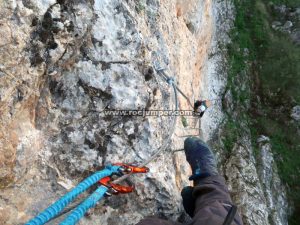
62, 62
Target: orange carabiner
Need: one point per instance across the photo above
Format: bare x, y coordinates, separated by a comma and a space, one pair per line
133, 169
117, 188
124, 169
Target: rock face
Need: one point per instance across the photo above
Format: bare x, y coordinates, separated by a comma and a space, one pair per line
295, 114
64, 62
241, 173
289, 21
261, 196
274, 191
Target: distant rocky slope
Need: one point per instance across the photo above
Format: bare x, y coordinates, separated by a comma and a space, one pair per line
63, 62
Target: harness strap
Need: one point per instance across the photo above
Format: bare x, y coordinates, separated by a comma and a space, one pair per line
230, 216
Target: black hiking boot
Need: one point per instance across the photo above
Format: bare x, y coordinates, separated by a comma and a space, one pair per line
201, 159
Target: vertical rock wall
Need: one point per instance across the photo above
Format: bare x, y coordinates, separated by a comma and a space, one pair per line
62, 63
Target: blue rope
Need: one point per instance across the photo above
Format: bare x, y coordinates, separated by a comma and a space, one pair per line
59, 205
90, 202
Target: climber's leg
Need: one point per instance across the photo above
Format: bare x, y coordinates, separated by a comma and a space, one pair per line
213, 202
212, 199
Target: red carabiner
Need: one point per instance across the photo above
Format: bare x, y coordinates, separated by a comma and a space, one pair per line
127, 169
117, 188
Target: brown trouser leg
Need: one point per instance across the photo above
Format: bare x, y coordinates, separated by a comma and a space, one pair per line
212, 204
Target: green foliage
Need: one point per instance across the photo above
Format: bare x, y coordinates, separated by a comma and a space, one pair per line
184, 121
231, 135
289, 3
281, 68
273, 65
